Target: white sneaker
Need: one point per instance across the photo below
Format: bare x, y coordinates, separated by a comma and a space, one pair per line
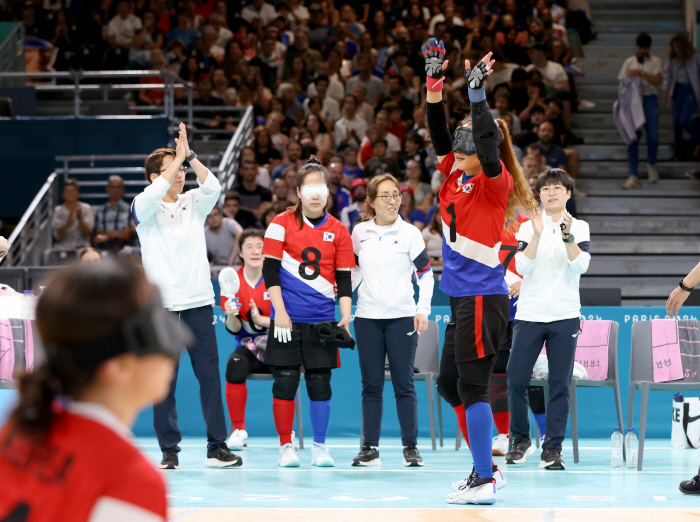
499, 446
484, 493
653, 174
288, 457
320, 456
238, 440
464, 483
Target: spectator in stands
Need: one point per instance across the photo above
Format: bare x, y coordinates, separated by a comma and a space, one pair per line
379, 163
350, 128
351, 169
89, 256
319, 133
397, 85
232, 209
149, 38
330, 109
422, 193
553, 153
221, 234
364, 109
122, 29
293, 160
396, 126
352, 214
273, 124
72, 221
291, 178
311, 57
184, 30
432, 235
408, 210
335, 186
153, 96
266, 154
259, 10
502, 108
373, 85
415, 150
222, 87
213, 119
252, 195
113, 224
270, 61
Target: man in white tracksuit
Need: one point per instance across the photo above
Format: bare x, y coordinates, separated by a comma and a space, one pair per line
170, 226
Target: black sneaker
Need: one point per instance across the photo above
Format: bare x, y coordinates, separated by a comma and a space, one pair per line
368, 456
220, 456
551, 459
519, 451
691, 487
170, 460
411, 457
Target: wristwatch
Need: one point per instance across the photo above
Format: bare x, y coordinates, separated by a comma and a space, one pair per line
191, 156
568, 239
683, 287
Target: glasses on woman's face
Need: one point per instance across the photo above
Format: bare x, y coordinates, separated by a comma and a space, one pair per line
558, 189
388, 198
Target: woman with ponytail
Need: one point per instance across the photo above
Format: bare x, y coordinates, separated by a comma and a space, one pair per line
66, 452
307, 251
483, 191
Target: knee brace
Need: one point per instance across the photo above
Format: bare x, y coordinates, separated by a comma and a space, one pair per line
286, 383
470, 393
318, 385
498, 390
236, 368
447, 388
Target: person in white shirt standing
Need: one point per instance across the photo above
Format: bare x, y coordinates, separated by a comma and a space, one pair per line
552, 255
389, 252
170, 226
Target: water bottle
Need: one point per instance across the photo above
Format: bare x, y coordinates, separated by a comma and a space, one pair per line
617, 441
631, 449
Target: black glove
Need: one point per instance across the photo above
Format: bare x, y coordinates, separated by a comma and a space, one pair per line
476, 75
434, 59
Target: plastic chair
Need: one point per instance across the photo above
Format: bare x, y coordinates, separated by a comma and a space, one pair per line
297, 404
427, 363
642, 378
613, 381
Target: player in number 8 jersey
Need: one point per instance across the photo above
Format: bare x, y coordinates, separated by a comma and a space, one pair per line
484, 189
307, 251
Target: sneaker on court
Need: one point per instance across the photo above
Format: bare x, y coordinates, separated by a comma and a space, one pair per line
479, 491
220, 456
238, 440
170, 460
632, 183
368, 456
288, 457
411, 457
500, 445
551, 459
519, 451
691, 487
464, 483
653, 173
320, 456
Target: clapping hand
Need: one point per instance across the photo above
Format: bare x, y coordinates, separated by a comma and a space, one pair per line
182, 147
537, 224
565, 225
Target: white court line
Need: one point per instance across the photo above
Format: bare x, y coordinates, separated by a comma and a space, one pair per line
423, 470
427, 447
183, 514
660, 499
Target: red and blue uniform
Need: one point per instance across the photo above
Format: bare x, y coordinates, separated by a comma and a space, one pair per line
473, 211
310, 257
258, 293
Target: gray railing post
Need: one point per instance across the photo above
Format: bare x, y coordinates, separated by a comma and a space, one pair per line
190, 116
76, 96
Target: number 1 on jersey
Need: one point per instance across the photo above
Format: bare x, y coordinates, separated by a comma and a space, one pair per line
453, 222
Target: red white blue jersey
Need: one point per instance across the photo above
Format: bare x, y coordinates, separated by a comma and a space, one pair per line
473, 211
258, 293
310, 257
509, 247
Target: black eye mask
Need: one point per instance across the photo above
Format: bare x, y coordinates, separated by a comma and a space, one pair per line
464, 141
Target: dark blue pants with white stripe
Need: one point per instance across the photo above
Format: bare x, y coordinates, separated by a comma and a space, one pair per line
528, 339
205, 363
378, 339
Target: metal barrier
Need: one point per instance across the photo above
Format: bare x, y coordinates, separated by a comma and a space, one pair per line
33, 232
12, 50
231, 158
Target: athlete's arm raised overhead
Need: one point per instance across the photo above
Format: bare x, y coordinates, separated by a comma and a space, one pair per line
435, 66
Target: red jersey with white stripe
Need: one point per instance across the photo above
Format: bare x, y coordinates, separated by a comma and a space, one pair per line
509, 247
310, 257
473, 211
258, 293
80, 464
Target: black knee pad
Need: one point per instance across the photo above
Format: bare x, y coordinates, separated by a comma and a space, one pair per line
535, 396
286, 383
498, 390
236, 368
447, 388
318, 385
470, 393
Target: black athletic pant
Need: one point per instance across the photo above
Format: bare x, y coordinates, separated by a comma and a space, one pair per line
205, 363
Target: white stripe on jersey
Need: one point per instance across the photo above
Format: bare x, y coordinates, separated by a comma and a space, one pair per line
275, 231
319, 284
473, 250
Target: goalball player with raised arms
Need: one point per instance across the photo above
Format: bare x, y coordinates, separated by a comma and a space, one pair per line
483, 190
307, 251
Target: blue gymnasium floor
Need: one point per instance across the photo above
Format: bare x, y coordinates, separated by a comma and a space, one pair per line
588, 490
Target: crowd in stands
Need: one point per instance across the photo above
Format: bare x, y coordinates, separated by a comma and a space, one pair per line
341, 80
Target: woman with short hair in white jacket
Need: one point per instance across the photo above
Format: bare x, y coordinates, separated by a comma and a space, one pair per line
389, 253
552, 255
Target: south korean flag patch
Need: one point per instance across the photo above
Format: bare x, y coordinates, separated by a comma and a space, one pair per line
328, 236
